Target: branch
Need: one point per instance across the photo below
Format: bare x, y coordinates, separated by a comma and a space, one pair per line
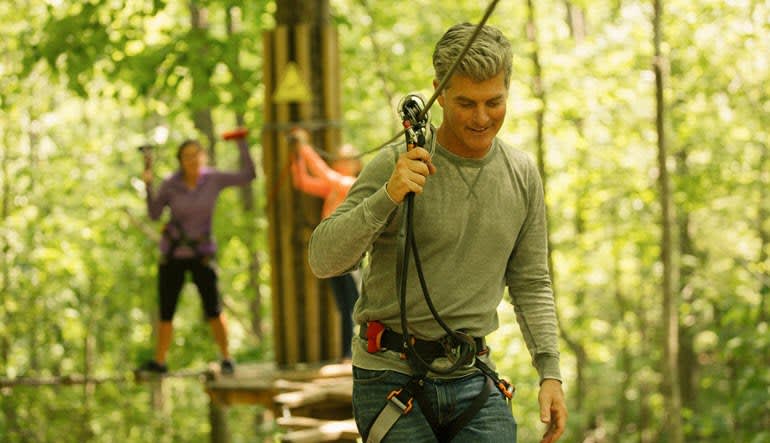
144, 227
80, 379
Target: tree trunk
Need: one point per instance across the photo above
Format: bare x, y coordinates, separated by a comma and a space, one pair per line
763, 228
201, 76
33, 242
9, 409
218, 422
645, 385
247, 195
576, 19
88, 388
576, 22
540, 94
673, 401
688, 362
626, 357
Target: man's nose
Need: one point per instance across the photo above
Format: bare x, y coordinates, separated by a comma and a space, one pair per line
480, 115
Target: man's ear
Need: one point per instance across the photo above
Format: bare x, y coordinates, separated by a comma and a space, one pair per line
440, 97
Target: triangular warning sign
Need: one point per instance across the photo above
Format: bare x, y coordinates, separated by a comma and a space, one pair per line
292, 87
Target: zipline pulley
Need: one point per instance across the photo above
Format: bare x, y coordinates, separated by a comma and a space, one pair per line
415, 124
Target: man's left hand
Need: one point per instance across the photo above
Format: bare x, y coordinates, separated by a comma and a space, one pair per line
553, 410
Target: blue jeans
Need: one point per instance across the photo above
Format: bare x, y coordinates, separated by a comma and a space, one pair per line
494, 422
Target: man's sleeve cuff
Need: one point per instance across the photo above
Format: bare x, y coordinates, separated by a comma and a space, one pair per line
548, 367
379, 206
385, 187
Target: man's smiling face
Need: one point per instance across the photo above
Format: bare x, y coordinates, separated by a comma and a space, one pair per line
474, 112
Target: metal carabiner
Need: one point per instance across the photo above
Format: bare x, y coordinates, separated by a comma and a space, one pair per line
460, 347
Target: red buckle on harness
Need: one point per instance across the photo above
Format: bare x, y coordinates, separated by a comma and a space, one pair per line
374, 331
405, 407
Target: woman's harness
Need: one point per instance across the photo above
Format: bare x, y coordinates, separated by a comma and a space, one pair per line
177, 237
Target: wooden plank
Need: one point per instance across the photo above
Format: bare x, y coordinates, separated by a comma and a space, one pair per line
313, 430
243, 397
302, 53
331, 86
315, 333
271, 184
289, 385
326, 392
293, 422
268, 75
310, 298
305, 397
260, 383
332, 140
285, 219
313, 395
267, 373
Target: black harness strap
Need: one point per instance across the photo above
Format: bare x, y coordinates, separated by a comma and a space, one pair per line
401, 401
448, 432
430, 415
182, 239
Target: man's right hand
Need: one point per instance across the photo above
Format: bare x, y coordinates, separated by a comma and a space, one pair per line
410, 174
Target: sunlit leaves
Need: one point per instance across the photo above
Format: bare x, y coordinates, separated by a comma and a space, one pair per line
83, 83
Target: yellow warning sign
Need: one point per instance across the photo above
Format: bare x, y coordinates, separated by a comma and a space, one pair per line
292, 87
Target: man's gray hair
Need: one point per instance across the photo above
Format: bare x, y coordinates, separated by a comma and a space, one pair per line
489, 54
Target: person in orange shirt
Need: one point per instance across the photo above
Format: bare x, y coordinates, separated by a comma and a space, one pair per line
331, 182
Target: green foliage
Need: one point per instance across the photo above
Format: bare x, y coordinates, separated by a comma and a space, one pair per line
84, 83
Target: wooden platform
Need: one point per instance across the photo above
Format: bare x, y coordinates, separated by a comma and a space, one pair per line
313, 403
308, 430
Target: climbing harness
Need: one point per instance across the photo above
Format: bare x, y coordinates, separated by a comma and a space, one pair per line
400, 402
177, 237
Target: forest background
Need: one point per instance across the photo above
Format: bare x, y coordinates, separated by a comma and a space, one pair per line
82, 84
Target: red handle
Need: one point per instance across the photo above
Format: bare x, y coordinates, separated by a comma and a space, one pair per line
235, 134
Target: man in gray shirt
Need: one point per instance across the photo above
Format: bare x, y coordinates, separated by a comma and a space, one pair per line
479, 221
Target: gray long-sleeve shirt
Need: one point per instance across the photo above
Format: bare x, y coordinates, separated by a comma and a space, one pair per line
479, 225
194, 208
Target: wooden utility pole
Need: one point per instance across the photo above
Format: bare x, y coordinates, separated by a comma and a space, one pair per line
301, 77
673, 409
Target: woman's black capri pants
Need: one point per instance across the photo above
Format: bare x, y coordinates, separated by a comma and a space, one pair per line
171, 277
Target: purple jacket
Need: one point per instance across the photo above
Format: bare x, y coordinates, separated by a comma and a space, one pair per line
193, 209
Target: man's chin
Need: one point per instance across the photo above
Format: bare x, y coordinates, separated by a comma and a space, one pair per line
480, 144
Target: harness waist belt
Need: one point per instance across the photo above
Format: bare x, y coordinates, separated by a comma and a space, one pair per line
428, 349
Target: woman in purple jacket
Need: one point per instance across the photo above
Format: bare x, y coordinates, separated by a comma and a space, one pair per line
187, 244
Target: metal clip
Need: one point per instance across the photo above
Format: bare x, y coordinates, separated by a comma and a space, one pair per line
460, 347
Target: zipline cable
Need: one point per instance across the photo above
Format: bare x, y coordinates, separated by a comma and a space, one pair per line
439, 89
460, 57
